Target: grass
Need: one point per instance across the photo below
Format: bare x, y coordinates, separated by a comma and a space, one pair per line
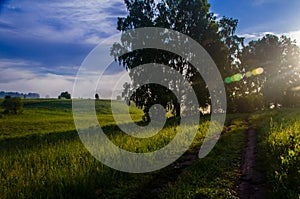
41, 155
279, 148
53, 116
214, 176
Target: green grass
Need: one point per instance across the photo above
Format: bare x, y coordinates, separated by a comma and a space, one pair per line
279, 148
54, 116
41, 155
214, 176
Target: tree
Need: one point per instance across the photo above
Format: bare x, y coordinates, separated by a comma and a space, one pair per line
279, 57
12, 105
190, 17
96, 96
64, 95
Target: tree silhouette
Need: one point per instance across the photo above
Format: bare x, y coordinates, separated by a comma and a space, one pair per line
279, 57
64, 95
190, 17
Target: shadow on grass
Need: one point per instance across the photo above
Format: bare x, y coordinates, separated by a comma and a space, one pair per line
33, 140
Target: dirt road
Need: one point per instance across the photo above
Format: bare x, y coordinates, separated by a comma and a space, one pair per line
252, 185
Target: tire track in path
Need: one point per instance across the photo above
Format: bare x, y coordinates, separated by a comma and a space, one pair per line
252, 183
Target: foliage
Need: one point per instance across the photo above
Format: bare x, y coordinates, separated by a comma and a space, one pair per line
96, 96
191, 17
12, 105
64, 95
279, 57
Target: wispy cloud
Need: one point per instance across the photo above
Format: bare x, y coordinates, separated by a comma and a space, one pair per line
254, 36
34, 67
25, 81
261, 2
6, 63
27, 76
67, 21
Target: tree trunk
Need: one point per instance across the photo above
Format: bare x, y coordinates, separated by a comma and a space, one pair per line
177, 109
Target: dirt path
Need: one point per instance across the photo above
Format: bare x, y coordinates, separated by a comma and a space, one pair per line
252, 185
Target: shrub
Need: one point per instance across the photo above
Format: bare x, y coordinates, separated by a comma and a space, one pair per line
12, 105
64, 95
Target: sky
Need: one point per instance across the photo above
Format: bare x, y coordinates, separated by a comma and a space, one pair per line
43, 43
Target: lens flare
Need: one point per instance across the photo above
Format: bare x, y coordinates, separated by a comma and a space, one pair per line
257, 71
248, 74
228, 80
238, 77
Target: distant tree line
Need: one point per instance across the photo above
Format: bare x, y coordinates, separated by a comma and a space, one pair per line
3, 94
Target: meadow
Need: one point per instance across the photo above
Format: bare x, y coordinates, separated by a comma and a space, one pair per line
41, 156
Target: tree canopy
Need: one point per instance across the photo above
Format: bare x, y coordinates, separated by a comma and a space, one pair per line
279, 59
265, 71
192, 18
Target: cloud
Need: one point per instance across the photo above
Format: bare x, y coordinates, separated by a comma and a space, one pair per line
254, 36
67, 21
36, 67
16, 75
294, 35
26, 81
26, 76
5, 63
261, 2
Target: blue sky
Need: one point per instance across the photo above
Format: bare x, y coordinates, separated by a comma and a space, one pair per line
43, 43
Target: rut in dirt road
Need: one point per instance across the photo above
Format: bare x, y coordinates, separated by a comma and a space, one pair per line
252, 185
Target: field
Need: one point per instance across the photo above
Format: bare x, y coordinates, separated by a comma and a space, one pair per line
41, 156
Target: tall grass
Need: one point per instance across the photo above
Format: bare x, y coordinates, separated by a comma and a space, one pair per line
279, 148
41, 155
216, 175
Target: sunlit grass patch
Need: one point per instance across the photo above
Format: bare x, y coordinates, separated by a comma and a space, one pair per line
214, 176
279, 151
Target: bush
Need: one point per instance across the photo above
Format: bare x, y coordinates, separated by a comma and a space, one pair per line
12, 105
64, 95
